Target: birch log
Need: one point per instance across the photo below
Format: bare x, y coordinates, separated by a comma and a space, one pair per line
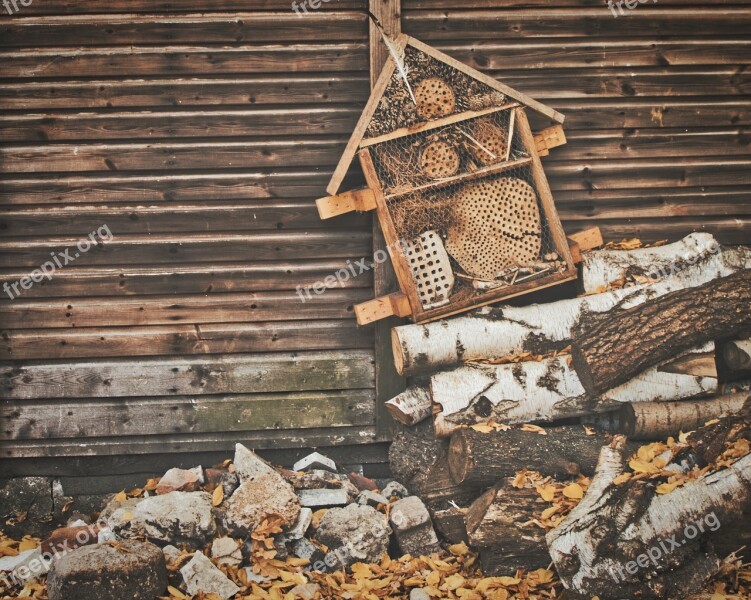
412, 406
545, 391
612, 348
660, 420
602, 268
603, 538
539, 328
737, 355
499, 526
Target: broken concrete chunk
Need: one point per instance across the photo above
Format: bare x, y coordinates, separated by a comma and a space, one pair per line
178, 480
353, 534
171, 554
300, 527
413, 528
395, 489
201, 576
371, 498
226, 551
27, 566
323, 498
266, 494
315, 461
199, 473
129, 569
248, 465
362, 483
307, 550
176, 518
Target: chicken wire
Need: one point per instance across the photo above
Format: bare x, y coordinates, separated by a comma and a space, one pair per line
492, 226
439, 89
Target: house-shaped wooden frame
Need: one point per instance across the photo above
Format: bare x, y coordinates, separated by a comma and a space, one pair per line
385, 126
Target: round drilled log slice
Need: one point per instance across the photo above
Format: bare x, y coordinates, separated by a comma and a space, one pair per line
438, 160
435, 98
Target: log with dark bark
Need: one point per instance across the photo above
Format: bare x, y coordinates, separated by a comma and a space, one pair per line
499, 526
481, 459
611, 348
660, 420
653, 545
491, 333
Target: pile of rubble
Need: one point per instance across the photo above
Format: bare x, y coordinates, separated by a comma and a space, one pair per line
219, 532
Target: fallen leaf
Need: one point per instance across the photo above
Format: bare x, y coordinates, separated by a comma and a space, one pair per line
573, 491
218, 496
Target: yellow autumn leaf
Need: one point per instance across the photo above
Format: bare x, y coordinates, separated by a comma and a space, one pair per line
433, 579
175, 593
573, 491
520, 480
453, 582
459, 549
666, 488
640, 466
549, 512
507, 581
621, 479
547, 492
533, 429
27, 545
718, 597
683, 437
121, 497
218, 496
482, 428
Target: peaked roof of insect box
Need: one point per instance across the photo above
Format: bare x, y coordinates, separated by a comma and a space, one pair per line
392, 110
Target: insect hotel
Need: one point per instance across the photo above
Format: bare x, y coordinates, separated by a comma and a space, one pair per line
453, 172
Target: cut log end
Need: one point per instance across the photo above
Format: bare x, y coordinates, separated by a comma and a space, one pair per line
459, 458
396, 349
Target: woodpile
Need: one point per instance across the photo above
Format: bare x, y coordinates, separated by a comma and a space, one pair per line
560, 432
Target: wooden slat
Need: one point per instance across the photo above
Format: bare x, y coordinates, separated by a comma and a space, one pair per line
82, 418
183, 444
169, 249
169, 217
191, 28
570, 22
183, 340
129, 280
165, 310
727, 231
230, 374
220, 91
495, 4
182, 60
177, 124
81, 7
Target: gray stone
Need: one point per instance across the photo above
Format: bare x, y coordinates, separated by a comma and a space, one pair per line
171, 554
27, 566
200, 575
249, 466
268, 493
178, 480
323, 498
305, 591
118, 515
354, 534
129, 569
305, 549
395, 489
253, 577
410, 520
226, 551
300, 527
315, 461
31, 497
199, 473
371, 498
419, 594
175, 518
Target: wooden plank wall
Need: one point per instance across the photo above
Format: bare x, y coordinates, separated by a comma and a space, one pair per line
656, 100
200, 141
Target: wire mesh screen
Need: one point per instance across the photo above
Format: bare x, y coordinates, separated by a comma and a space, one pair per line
435, 90
434, 156
488, 218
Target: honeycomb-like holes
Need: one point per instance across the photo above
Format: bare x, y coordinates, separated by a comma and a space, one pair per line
422, 158
435, 98
397, 109
431, 270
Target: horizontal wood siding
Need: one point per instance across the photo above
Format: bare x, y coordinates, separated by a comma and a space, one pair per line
200, 135
657, 105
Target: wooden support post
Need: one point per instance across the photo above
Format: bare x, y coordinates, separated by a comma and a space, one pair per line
393, 305
388, 381
551, 137
332, 206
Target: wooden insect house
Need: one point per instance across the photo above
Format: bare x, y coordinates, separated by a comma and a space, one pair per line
453, 171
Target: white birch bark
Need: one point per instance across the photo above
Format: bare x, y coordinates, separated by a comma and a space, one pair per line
505, 331
603, 268
546, 391
411, 406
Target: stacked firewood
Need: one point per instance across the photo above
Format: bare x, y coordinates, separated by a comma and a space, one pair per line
542, 417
